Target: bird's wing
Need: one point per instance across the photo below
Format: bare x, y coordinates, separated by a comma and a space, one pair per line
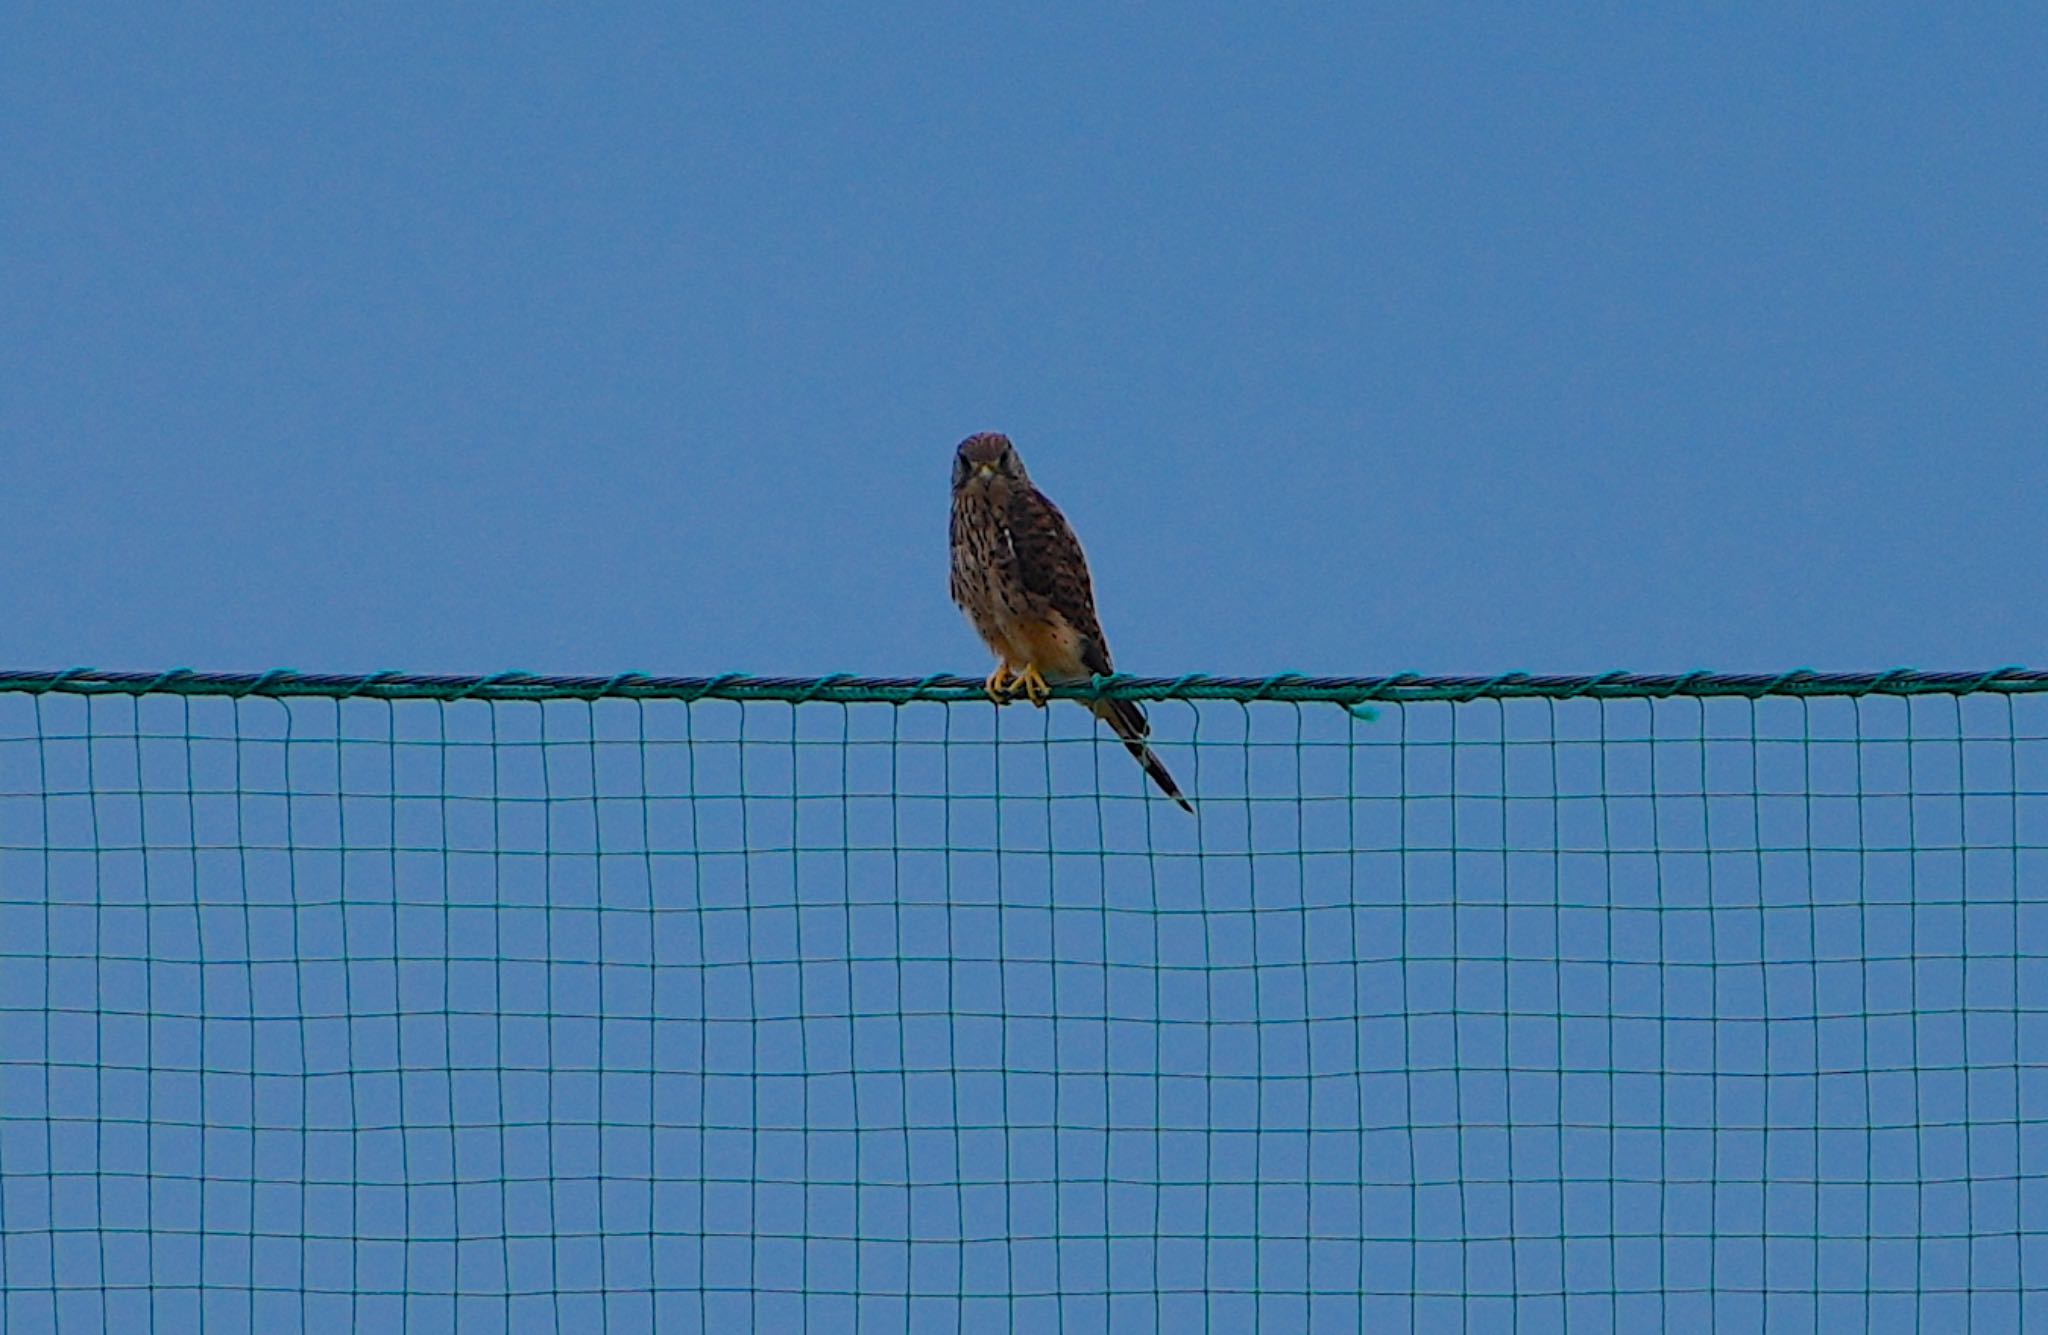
1050, 565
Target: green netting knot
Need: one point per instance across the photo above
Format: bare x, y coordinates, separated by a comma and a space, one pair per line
824, 683
1489, 686
1994, 675
1683, 684
614, 684
375, 679
922, 685
1099, 683
1266, 687
485, 683
1592, 684
716, 683
57, 680
262, 684
165, 678
1883, 680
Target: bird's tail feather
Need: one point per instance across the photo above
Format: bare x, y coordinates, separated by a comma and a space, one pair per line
1128, 721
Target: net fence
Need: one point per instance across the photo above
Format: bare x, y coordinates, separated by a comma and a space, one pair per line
1536, 1004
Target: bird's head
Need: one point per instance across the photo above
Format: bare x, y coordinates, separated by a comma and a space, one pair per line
986, 457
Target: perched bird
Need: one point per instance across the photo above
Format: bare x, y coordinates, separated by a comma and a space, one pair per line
1019, 575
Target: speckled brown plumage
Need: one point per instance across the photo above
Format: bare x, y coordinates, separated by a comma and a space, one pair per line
1020, 576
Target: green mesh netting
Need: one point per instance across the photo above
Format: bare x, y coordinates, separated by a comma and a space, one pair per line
1530, 1004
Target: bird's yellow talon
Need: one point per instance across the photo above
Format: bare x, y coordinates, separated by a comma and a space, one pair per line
998, 685
1032, 681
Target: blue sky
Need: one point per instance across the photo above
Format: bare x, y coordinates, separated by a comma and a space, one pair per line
473, 339
1352, 343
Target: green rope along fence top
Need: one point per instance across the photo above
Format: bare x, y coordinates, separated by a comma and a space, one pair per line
843, 688
1543, 1003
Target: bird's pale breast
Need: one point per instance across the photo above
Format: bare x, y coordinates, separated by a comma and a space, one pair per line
1019, 625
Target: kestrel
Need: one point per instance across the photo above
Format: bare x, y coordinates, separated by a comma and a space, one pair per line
1019, 575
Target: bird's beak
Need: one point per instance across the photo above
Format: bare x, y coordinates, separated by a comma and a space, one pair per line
985, 470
